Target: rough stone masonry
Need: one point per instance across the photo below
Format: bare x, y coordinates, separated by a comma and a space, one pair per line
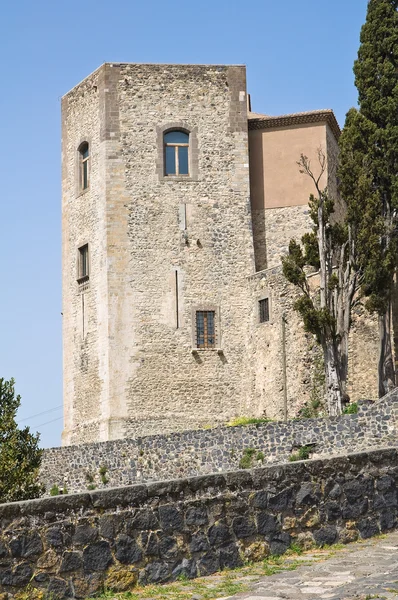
71, 546
145, 251
200, 452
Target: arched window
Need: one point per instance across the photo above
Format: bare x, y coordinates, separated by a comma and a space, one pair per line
176, 153
84, 157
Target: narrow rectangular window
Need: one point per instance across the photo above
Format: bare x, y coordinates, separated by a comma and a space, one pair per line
83, 264
84, 157
264, 310
205, 329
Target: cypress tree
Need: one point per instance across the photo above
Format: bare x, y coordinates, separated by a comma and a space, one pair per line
369, 169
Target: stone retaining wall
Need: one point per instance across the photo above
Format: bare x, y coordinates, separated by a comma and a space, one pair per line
190, 453
70, 546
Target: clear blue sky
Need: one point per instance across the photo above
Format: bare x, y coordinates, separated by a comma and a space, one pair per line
299, 56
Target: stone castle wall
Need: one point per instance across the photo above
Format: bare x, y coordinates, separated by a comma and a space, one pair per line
132, 369
161, 248
71, 546
179, 455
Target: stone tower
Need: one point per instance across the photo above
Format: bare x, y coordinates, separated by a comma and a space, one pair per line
157, 248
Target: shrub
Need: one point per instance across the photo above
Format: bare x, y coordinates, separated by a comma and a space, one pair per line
20, 455
239, 421
302, 454
249, 456
351, 409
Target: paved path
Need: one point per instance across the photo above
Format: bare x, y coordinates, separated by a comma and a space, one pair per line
366, 570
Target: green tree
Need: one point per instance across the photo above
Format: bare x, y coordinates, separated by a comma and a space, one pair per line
20, 455
325, 309
369, 169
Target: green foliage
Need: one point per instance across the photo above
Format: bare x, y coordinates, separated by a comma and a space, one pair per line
316, 320
249, 457
302, 454
103, 474
369, 154
54, 491
242, 421
20, 455
351, 409
293, 265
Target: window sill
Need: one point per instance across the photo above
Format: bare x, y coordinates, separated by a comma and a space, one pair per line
82, 192
84, 279
197, 350
173, 178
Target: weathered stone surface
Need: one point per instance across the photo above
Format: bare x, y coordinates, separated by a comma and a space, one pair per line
58, 589
325, 536
243, 527
177, 455
219, 534
121, 580
144, 520
85, 534
199, 542
127, 551
97, 557
170, 518
280, 543
196, 515
201, 525
26, 546
267, 524
208, 564
48, 560
157, 572
54, 537
71, 561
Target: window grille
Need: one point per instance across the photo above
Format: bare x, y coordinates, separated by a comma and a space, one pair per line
264, 310
83, 264
205, 329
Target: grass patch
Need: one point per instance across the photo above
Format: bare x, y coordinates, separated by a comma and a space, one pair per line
227, 586
250, 457
302, 454
242, 421
228, 583
351, 409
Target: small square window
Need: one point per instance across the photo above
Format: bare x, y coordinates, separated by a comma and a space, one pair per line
83, 264
205, 329
264, 310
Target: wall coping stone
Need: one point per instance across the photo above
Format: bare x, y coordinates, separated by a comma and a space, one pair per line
137, 494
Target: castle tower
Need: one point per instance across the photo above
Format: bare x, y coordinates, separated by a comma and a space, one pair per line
157, 248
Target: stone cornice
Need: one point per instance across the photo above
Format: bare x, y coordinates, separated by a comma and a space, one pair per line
303, 118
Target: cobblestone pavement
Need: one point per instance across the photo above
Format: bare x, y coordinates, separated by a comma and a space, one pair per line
362, 570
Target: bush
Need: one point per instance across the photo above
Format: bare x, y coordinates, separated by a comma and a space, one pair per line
302, 454
250, 455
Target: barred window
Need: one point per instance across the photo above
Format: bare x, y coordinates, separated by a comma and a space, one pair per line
264, 310
205, 329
